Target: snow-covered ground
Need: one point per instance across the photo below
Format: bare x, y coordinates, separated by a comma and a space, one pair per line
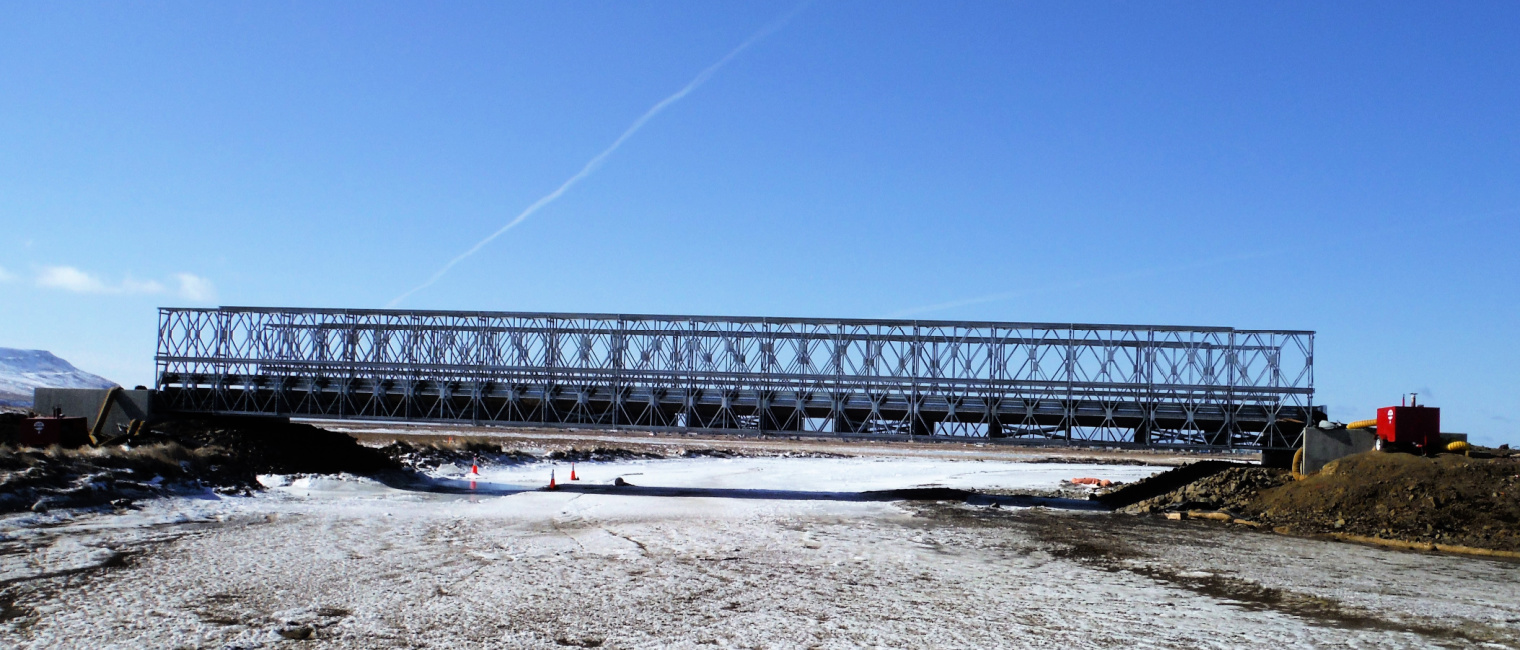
801, 474
356, 564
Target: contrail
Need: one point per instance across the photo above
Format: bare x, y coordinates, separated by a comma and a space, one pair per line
596, 162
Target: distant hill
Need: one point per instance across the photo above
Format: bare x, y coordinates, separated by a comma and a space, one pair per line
21, 371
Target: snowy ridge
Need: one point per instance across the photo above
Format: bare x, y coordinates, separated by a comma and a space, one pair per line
22, 371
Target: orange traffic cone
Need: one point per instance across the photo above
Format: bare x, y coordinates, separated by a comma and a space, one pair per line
475, 468
552, 484
573, 477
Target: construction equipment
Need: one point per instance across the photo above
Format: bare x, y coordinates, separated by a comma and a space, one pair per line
46, 431
1409, 427
97, 437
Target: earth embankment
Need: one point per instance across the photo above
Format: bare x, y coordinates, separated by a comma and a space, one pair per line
1448, 499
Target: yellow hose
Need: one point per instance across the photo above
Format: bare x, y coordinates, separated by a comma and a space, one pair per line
1298, 464
1456, 446
1362, 424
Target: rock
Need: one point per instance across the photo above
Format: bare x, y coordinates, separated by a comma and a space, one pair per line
301, 633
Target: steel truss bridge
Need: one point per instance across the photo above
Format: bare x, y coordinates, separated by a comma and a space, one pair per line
1090, 384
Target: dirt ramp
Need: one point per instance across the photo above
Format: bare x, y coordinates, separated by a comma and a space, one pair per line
1233, 491
1165, 482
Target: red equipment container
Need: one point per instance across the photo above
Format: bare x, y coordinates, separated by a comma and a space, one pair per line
1415, 426
58, 430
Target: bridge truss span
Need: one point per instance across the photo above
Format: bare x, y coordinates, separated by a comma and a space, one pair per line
1113, 384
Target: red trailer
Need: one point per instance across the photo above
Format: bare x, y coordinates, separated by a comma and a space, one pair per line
56, 430
1413, 426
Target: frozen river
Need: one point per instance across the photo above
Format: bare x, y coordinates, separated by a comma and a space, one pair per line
350, 563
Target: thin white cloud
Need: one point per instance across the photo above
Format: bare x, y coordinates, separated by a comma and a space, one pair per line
67, 278
597, 161
132, 285
195, 288
6, 276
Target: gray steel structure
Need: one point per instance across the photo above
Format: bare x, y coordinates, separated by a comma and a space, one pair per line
1104, 384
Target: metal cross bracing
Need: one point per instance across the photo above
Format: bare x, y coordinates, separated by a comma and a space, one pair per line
1107, 384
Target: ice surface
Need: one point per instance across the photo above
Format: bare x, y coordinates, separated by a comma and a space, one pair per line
360, 564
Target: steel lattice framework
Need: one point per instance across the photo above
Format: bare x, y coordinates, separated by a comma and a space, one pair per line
1116, 384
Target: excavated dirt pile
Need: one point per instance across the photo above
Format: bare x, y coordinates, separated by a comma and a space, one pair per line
224, 455
1447, 499
601, 454
427, 456
1233, 490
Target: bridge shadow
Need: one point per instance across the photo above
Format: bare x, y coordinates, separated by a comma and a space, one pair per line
970, 497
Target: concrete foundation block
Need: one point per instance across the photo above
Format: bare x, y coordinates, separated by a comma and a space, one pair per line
1324, 445
85, 402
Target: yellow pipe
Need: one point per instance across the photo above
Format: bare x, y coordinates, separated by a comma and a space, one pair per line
1362, 424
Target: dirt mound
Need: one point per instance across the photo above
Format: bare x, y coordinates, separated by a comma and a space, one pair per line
757, 453
10, 424
422, 456
1164, 483
601, 454
1447, 499
188, 455
261, 446
1088, 461
710, 453
40, 479
1233, 490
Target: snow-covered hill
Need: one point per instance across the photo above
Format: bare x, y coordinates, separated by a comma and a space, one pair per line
21, 371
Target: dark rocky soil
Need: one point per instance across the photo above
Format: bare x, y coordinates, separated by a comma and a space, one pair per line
228, 454
1233, 490
1447, 499
424, 456
223, 455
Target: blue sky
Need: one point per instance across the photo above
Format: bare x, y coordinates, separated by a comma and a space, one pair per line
1348, 168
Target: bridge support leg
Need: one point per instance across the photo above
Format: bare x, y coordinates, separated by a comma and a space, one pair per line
842, 424
922, 427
